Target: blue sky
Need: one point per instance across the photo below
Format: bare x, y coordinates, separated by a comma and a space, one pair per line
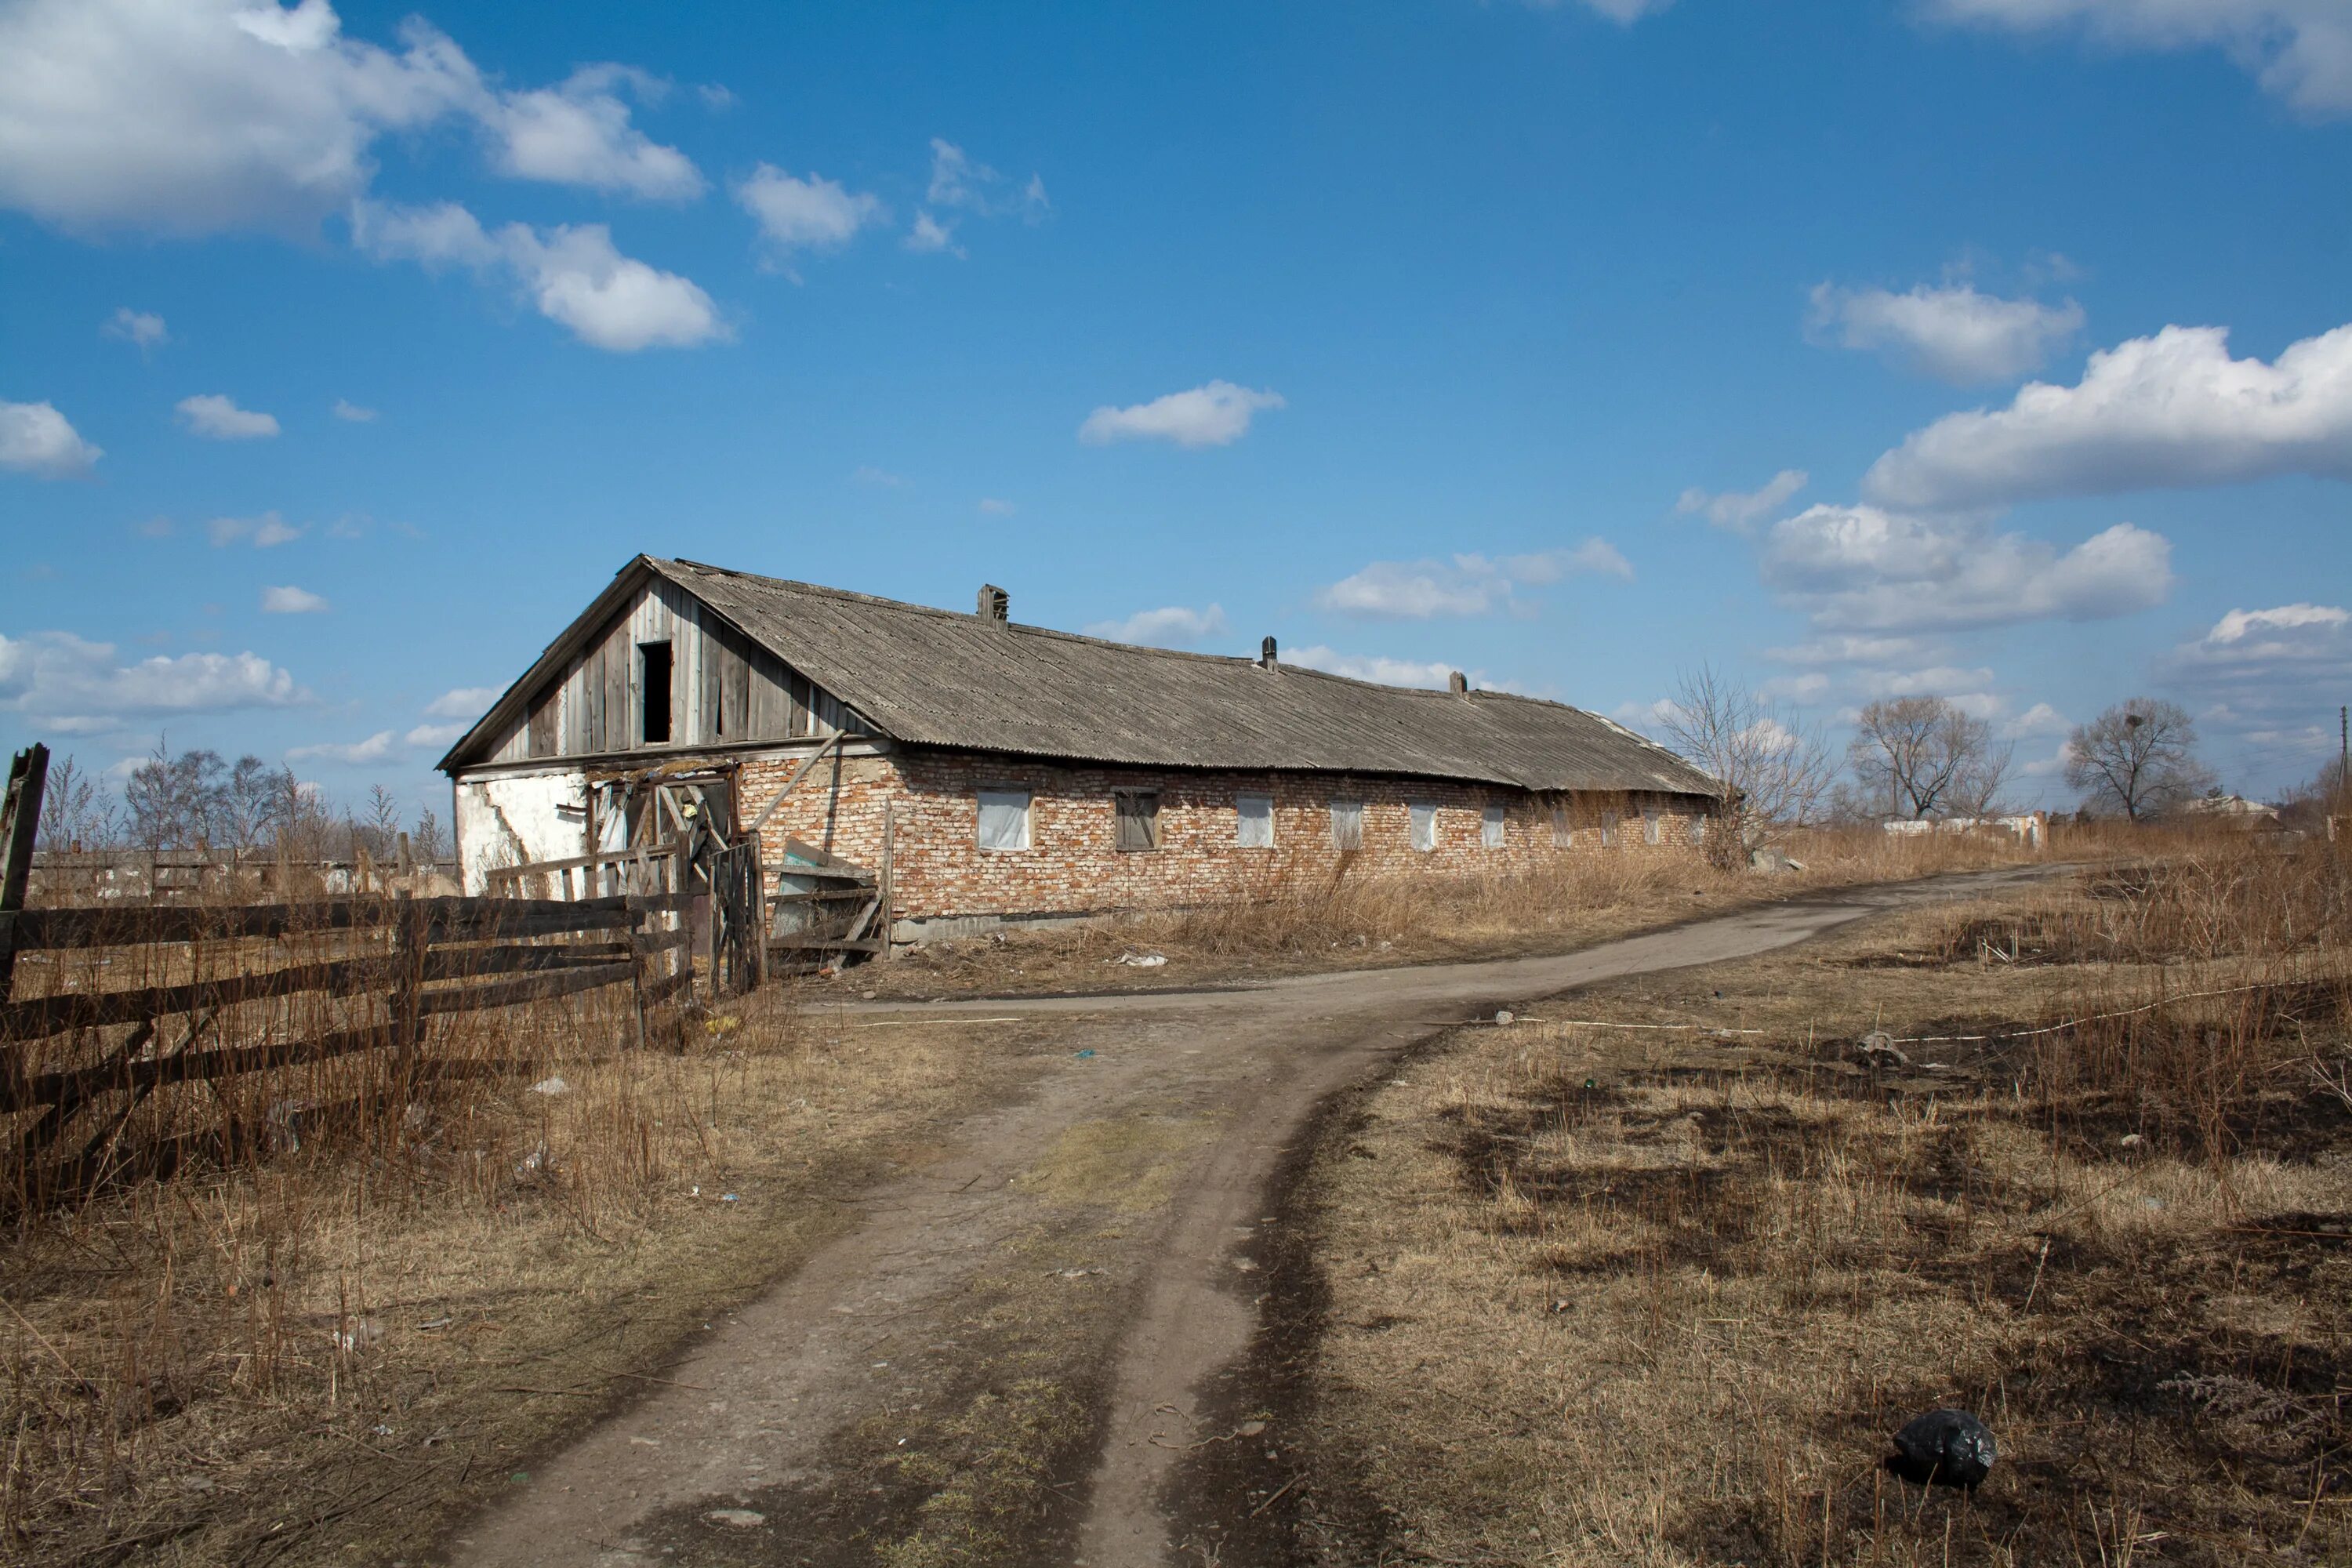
1996, 349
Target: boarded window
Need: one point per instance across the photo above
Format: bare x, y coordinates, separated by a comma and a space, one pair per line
1253, 821
1004, 819
1696, 828
1491, 828
1607, 829
1347, 825
1652, 826
1424, 826
653, 685
1563, 836
1139, 817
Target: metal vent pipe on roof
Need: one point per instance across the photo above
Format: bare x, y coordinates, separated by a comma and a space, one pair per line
1266, 658
995, 604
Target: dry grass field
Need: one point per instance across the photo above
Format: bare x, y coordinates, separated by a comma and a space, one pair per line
1565, 1294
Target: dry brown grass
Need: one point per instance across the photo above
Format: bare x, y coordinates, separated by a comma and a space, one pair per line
334, 1350
1594, 1296
1289, 919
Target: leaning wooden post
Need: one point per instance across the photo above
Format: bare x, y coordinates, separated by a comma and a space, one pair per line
20, 824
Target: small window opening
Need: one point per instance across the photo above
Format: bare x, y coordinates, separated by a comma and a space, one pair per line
1653, 826
1003, 819
1608, 830
1424, 826
1697, 829
1491, 828
1347, 825
1563, 836
1139, 817
653, 682
1253, 821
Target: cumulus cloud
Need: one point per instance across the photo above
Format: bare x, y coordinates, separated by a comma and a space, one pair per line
1172, 626
434, 735
2037, 721
261, 532
218, 418
1215, 415
67, 685
814, 214
1740, 510
1952, 333
466, 702
203, 116
960, 180
1463, 585
345, 409
289, 600
579, 134
1377, 668
2257, 676
374, 749
2171, 410
2300, 50
36, 439
143, 330
571, 273
1864, 569
929, 233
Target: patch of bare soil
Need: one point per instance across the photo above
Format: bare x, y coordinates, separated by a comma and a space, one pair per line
1555, 1293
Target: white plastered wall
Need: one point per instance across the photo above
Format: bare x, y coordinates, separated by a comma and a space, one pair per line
514, 819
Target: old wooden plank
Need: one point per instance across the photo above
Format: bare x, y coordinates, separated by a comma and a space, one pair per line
532, 988
39, 1015
798, 943
807, 763
20, 825
188, 1066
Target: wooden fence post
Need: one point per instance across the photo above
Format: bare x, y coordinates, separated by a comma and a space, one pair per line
20, 824
411, 936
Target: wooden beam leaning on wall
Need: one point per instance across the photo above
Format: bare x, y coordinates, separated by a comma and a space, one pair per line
20, 822
751, 829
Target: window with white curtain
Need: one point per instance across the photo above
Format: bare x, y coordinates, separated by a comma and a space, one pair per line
1424, 826
1608, 830
1004, 819
1651, 823
1253, 821
1347, 825
1563, 836
1697, 829
1491, 828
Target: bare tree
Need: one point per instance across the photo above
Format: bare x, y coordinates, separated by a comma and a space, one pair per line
430, 838
1773, 769
2139, 757
77, 811
248, 804
299, 824
176, 802
1925, 756
379, 825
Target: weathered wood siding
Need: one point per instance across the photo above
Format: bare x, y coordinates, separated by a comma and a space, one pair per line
724, 691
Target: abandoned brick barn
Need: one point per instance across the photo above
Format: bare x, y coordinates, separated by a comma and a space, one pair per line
1004, 772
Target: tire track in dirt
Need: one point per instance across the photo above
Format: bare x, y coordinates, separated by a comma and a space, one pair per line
1093, 1244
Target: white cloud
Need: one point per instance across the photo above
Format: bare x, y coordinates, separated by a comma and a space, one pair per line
1174, 626
292, 601
1215, 415
2300, 50
867, 473
1740, 510
1624, 13
466, 702
571, 274
1464, 585
1850, 649
137, 327
716, 97
436, 736
928, 234
347, 410
1864, 569
1376, 667
2039, 719
35, 438
261, 532
992, 507
66, 685
814, 214
218, 418
957, 181
2258, 679
201, 116
374, 749
2171, 410
2234, 628
1952, 333
579, 134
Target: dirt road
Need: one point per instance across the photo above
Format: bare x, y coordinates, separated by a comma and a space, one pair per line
1004, 1360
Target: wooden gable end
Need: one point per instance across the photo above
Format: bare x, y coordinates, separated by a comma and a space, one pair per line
724, 689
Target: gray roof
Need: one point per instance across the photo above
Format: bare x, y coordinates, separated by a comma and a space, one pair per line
939, 677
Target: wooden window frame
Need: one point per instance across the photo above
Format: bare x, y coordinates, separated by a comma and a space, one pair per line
1414, 812
1494, 828
1352, 837
1242, 819
1120, 800
1028, 821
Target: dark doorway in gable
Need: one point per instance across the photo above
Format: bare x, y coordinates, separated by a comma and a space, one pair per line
653, 683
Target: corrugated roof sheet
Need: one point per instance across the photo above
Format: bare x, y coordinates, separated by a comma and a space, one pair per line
937, 678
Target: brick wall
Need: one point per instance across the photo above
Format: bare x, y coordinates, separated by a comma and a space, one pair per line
1074, 863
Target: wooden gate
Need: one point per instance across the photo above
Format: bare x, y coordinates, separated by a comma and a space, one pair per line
737, 953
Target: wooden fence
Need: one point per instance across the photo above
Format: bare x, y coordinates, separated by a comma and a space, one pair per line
225, 992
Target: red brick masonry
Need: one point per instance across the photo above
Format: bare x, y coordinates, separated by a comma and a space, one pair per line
1074, 864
